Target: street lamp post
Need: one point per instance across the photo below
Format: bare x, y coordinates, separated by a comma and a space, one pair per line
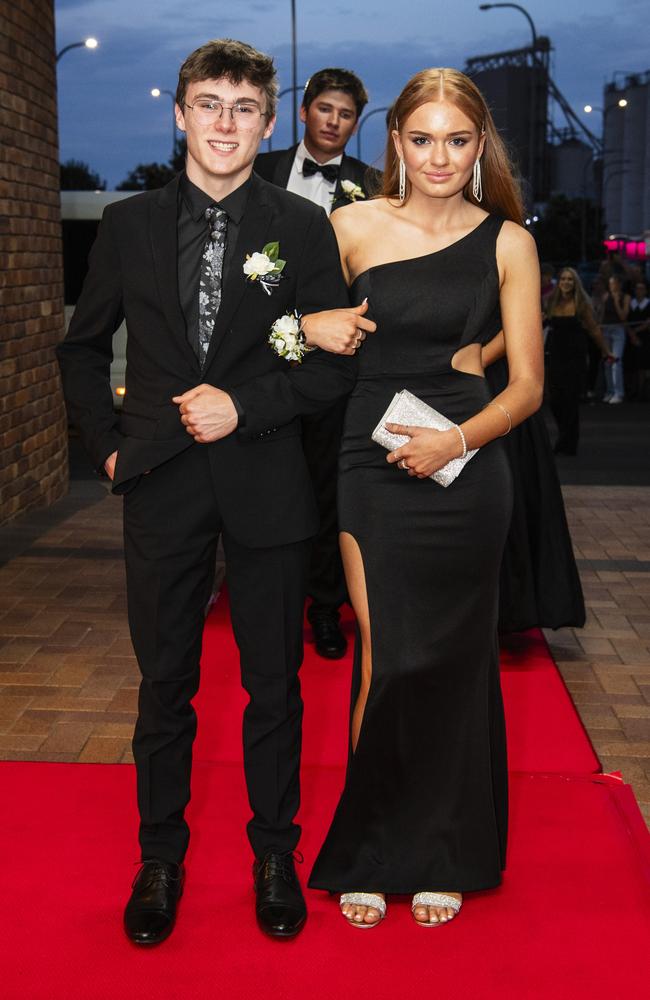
589, 108
531, 128
156, 92
294, 74
287, 90
88, 43
516, 6
610, 177
362, 122
583, 207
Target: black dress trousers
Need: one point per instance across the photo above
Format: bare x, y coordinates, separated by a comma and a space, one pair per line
171, 527
321, 441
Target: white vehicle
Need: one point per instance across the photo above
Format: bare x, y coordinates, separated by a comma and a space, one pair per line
81, 212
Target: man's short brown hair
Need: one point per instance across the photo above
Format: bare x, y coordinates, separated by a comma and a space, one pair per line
236, 61
336, 79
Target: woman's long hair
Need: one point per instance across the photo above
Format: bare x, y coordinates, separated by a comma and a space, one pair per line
501, 193
581, 303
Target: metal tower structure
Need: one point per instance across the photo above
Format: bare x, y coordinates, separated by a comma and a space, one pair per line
522, 96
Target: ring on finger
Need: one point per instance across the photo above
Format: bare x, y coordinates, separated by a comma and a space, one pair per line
403, 465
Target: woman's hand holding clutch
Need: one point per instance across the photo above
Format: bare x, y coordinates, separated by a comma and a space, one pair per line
427, 450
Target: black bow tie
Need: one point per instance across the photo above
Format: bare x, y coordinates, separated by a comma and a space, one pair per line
330, 171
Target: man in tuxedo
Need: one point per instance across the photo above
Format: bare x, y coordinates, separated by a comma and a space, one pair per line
318, 168
208, 445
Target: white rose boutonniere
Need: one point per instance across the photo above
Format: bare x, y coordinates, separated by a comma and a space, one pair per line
287, 339
265, 267
351, 190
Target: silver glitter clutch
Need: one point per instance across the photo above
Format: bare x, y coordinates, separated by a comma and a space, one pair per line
405, 408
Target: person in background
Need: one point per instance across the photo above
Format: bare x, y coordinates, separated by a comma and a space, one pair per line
639, 334
616, 307
570, 319
319, 169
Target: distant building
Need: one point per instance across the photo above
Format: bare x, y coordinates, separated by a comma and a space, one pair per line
572, 169
515, 85
626, 159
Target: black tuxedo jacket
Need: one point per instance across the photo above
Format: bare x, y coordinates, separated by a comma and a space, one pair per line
262, 484
276, 168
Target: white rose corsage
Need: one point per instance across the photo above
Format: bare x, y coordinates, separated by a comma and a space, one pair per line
265, 267
287, 339
351, 190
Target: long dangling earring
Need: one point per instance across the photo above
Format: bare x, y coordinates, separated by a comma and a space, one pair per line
402, 180
477, 184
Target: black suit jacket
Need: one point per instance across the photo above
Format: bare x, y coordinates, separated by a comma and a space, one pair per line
276, 168
262, 484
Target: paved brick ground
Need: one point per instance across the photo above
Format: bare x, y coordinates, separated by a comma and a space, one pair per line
68, 677
606, 665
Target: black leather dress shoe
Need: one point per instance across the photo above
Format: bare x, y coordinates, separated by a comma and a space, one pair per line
150, 913
280, 905
328, 637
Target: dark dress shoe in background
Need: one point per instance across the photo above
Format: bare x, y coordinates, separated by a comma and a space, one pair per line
280, 905
328, 637
150, 913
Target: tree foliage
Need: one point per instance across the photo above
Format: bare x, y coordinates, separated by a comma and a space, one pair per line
149, 176
77, 176
565, 225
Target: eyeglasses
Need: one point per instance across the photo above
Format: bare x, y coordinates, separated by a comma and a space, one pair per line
245, 115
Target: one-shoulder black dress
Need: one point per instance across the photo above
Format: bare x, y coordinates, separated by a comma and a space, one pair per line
425, 800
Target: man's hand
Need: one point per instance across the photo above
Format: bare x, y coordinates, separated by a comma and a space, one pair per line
208, 413
339, 331
109, 465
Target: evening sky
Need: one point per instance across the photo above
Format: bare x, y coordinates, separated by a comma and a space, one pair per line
109, 120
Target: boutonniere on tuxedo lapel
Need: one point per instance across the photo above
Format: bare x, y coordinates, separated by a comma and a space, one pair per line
265, 267
351, 190
287, 338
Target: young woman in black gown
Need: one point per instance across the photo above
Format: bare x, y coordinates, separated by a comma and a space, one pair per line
571, 320
424, 808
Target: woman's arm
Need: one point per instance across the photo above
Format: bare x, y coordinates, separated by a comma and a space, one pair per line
622, 306
340, 331
518, 263
494, 350
522, 328
591, 326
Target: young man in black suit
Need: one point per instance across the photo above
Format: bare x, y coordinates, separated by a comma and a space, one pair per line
208, 444
318, 168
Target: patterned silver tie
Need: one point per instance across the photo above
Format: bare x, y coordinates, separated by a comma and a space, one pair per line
211, 275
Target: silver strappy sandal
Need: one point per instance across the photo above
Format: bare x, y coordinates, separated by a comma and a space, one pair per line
435, 899
364, 899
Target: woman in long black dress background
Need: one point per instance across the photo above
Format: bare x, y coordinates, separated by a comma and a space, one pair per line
539, 583
571, 321
424, 808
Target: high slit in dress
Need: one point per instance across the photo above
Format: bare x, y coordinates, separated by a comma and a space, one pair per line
424, 805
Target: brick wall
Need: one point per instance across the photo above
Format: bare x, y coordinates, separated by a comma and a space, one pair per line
33, 434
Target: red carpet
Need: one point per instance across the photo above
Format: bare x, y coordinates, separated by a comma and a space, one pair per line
570, 921
544, 730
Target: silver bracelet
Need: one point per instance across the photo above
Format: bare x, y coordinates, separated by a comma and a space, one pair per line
462, 437
507, 414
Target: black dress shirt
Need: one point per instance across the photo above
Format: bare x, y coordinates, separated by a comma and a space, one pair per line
193, 231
